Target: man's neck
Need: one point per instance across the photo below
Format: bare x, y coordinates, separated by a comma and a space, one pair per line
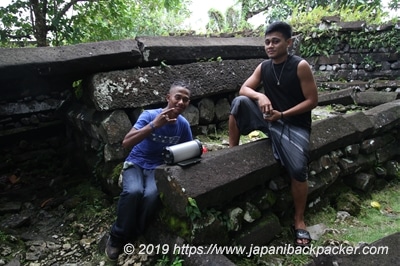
280, 59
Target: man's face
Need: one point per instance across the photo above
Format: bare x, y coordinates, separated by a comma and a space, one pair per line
178, 98
276, 45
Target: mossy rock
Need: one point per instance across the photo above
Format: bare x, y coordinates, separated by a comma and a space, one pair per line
264, 199
349, 202
392, 170
178, 225
116, 172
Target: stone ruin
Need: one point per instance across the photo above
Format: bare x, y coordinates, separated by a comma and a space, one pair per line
233, 196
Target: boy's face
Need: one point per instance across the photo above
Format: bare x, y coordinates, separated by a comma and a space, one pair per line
178, 98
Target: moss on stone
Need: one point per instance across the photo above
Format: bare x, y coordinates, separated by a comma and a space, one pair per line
349, 202
177, 225
116, 172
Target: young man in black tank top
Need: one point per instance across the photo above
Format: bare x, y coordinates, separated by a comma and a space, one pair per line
283, 112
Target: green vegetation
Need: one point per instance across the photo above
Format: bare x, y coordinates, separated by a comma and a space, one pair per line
3, 237
78, 89
116, 173
192, 210
176, 224
64, 22
88, 201
374, 222
323, 39
60, 22
165, 261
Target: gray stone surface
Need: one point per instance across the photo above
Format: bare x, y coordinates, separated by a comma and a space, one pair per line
40, 70
183, 49
146, 86
260, 233
218, 178
61, 60
33, 107
392, 242
347, 95
317, 185
342, 96
207, 260
363, 125
93, 124
384, 116
374, 98
330, 134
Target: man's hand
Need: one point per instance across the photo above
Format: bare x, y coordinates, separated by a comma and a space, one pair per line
265, 104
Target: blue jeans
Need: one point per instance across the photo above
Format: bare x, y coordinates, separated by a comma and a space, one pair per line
137, 203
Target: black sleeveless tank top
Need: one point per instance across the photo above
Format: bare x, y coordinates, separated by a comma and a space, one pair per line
288, 93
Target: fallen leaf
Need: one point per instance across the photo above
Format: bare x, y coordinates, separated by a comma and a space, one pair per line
375, 204
254, 134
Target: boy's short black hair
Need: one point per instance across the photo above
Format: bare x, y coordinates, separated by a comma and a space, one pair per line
181, 83
280, 26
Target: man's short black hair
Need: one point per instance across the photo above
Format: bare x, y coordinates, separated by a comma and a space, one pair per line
280, 26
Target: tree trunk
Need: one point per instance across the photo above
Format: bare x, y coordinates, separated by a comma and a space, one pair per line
39, 25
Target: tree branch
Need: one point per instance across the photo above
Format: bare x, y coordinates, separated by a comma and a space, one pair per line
68, 6
17, 36
251, 14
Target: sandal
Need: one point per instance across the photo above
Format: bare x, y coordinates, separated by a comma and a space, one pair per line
301, 234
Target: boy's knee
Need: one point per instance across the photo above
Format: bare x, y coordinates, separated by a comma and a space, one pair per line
151, 195
132, 192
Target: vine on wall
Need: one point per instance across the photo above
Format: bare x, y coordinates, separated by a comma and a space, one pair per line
321, 35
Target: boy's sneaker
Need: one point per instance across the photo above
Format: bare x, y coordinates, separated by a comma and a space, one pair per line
112, 249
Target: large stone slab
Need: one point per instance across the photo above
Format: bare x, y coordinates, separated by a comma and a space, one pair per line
139, 87
352, 95
218, 178
331, 134
34, 106
35, 71
384, 116
374, 98
361, 122
69, 60
184, 49
338, 97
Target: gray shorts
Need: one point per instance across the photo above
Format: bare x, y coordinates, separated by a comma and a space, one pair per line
290, 143
248, 115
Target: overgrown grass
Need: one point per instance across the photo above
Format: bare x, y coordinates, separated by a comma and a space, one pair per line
372, 223
369, 226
